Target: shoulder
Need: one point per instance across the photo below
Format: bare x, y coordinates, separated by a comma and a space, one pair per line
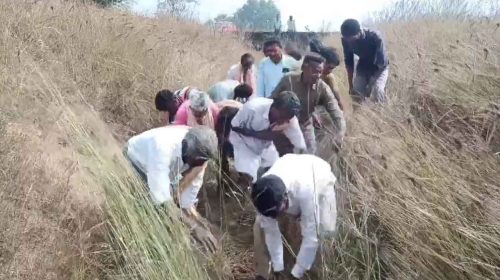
374, 35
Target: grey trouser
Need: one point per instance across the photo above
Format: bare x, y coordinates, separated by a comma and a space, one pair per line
373, 86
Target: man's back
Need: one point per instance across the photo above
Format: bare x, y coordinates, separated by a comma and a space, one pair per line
223, 90
156, 145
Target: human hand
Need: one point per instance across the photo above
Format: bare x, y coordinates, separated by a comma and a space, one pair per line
205, 237
279, 127
316, 121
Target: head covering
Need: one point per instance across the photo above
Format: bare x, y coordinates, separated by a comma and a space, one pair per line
350, 27
287, 100
200, 142
268, 194
199, 100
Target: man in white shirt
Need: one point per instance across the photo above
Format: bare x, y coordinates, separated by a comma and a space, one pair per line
172, 161
222, 90
297, 189
255, 126
273, 68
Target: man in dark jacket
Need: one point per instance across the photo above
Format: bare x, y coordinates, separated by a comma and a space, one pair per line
372, 69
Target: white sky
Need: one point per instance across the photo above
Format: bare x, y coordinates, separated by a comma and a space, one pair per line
306, 12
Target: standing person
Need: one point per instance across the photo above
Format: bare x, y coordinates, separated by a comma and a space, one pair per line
298, 190
254, 127
198, 110
244, 72
372, 70
291, 25
273, 68
172, 160
277, 25
312, 92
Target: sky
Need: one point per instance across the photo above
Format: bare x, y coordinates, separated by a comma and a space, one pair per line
312, 13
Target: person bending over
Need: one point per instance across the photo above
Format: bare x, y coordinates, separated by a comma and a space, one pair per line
171, 160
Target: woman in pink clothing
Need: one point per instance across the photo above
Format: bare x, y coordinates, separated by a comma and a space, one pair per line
244, 72
198, 110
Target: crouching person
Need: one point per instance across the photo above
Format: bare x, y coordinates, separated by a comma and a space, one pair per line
298, 190
172, 161
253, 129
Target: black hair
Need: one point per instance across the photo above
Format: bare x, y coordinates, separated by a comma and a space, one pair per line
350, 27
313, 57
223, 125
268, 193
271, 42
331, 55
243, 91
295, 54
163, 98
287, 100
246, 56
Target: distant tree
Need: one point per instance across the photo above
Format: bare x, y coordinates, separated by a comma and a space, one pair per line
178, 8
224, 17
257, 15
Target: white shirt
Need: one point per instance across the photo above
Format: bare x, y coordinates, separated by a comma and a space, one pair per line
270, 74
291, 25
223, 90
311, 195
254, 115
158, 153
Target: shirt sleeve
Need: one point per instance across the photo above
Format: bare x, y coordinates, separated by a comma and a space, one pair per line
309, 219
328, 100
261, 89
274, 244
348, 55
158, 172
189, 196
282, 86
381, 59
294, 134
182, 114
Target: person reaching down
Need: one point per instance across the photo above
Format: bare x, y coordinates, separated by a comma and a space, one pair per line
198, 110
254, 128
312, 92
244, 72
298, 189
372, 70
172, 160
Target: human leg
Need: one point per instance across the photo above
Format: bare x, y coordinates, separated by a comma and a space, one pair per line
247, 163
377, 85
261, 256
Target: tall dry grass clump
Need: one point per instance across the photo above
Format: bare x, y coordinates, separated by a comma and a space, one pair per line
420, 176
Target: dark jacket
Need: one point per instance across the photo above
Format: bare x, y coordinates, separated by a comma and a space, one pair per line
371, 52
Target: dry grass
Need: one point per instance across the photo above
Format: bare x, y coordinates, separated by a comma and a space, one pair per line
419, 186
420, 176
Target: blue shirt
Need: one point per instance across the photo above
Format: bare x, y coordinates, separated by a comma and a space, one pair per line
270, 74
